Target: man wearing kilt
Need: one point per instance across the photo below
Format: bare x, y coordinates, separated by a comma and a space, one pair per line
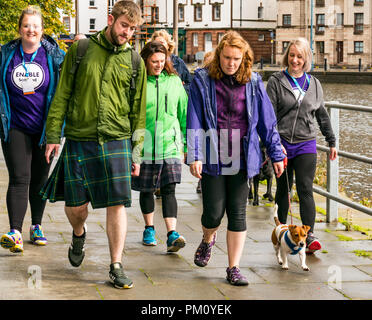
104, 130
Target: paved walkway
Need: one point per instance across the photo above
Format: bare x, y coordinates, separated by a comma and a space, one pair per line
335, 273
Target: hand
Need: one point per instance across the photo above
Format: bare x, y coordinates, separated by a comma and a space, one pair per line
284, 151
135, 169
278, 168
333, 153
50, 151
196, 169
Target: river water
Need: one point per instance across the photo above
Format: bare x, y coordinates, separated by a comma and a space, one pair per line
355, 137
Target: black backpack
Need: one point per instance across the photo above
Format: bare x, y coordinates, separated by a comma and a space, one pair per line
136, 61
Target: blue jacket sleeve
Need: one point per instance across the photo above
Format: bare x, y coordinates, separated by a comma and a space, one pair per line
194, 123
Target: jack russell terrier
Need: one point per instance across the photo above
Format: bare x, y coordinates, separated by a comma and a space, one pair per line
289, 239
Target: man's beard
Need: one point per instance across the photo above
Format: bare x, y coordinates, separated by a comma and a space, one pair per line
114, 38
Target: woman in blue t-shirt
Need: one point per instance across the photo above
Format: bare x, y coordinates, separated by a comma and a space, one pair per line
298, 102
30, 72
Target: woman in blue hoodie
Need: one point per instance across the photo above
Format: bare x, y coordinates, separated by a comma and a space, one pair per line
228, 111
29, 75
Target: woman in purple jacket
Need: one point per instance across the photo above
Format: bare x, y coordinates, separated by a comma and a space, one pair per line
228, 111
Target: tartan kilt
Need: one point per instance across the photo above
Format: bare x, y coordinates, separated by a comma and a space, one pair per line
155, 175
89, 172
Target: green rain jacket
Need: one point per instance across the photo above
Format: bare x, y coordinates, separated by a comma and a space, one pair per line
94, 101
166, 110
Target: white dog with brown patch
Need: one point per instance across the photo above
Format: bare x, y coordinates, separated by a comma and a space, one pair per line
289, 239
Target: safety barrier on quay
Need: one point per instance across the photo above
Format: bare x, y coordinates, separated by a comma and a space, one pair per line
333, 166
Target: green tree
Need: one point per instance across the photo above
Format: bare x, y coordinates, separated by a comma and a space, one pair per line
10, 11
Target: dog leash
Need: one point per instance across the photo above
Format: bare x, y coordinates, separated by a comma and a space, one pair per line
289, 191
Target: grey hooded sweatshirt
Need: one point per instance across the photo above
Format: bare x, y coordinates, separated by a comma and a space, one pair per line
296, 121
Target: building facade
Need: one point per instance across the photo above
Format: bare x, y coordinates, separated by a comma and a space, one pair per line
201, 23
340, 30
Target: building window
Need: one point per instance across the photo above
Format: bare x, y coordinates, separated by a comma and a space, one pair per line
92, 3
66, 23
154, 15
285, 45
220, 36
287, 20
198, 13
340, 19
216, 12
358, 46
320, 23
92, 24
358, 2
319, 3
320, 47
111, 4
260, 14
181, 13
358, 24
195, 40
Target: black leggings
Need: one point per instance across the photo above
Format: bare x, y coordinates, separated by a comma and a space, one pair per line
168, 201
304, 168
225, 193
28, 171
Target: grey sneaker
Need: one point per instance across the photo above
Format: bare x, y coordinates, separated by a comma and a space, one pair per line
76, 251
118, 277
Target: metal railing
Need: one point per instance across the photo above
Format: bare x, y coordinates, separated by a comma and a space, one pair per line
333, 168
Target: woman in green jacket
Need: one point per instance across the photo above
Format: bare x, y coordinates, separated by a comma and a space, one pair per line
161, 166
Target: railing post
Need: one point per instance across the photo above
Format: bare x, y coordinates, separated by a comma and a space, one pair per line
332, 170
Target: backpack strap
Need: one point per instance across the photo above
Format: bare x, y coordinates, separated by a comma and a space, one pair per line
136, 61
82, 48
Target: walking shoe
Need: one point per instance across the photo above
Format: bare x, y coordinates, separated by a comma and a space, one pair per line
149, 237
235, 278
175, 242
118, 277
204, 252
76, 251
12, 241
312, 243
37, 235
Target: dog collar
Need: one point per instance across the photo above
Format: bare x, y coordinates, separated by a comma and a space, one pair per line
290, 244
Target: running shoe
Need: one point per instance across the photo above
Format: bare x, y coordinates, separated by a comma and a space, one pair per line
37, 235
149, 237
312, 243
204, 252
118, 277
76, 251
12, 241
175, 242
235, 277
